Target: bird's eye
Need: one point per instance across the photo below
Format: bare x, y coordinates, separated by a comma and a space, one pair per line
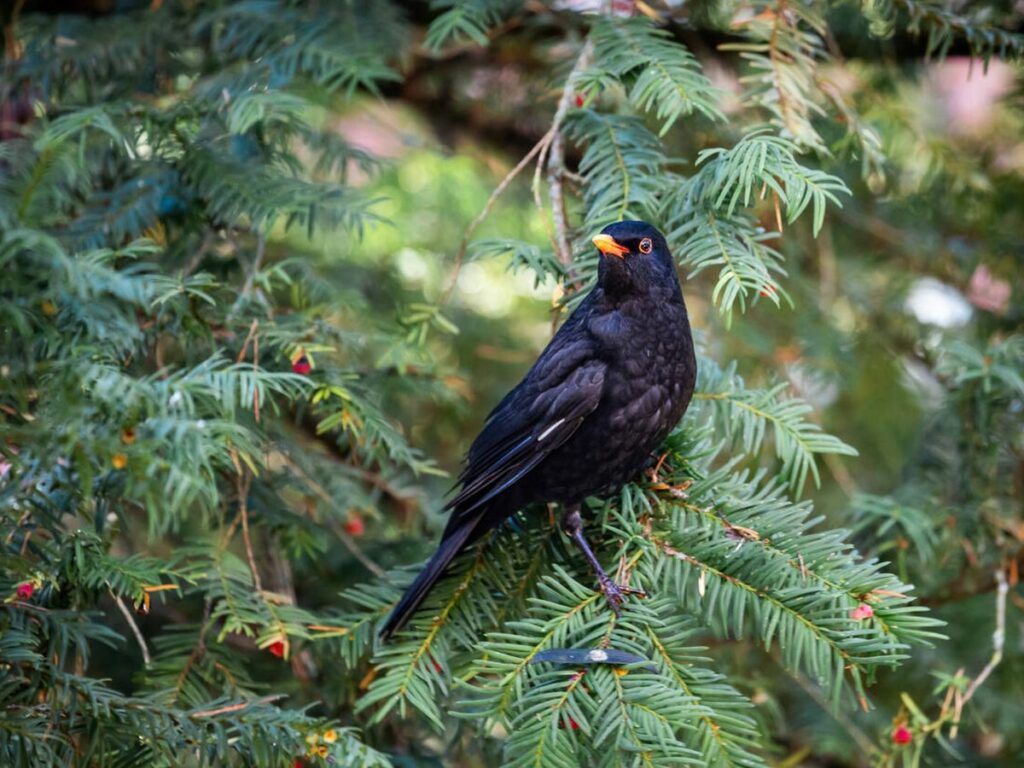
646, 245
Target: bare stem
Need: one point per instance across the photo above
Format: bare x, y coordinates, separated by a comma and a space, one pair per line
460, 257
197, 651
998, 640
248, 339
346, 539
257, 262
556, 159
250, 278
243, 482
237, 707
862, 740
133, 626
998, 637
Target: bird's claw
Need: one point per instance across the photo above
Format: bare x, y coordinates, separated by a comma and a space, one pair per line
616, 593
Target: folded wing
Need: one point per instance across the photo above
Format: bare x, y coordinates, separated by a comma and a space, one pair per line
534, 419
556, 396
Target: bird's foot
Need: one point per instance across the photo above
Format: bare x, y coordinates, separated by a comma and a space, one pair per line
653, 466
615, 594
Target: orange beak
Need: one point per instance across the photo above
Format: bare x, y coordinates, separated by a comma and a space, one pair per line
606, 244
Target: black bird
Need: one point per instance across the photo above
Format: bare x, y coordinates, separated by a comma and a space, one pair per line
602, 396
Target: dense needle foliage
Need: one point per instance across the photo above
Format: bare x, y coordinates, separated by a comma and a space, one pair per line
224, 401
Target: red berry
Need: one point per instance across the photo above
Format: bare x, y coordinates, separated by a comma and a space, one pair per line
767, 290
297, 763
301, 365
862, 611
354, 526
277, 648
24, 591
902, 735
579, 99
573, 725
622, 7
437, 667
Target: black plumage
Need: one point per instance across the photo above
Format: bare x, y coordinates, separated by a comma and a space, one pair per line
585, 419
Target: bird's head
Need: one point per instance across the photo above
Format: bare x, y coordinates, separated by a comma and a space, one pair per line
634, 258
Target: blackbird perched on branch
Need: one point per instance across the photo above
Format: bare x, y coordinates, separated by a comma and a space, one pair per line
602, 396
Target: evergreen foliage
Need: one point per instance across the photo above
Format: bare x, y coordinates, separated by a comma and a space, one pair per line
196, 409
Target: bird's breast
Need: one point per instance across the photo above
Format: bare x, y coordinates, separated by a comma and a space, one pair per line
647, 386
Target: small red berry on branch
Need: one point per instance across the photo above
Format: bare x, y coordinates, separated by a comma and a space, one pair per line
572, 726
902, 735
862, 611
301, 364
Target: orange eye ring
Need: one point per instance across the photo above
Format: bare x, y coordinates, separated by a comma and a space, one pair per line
646, 246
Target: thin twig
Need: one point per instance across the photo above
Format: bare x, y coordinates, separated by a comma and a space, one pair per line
346, 539
253, 337
237, 707
966, 588
242, 484
198, 651
250, 278
998, 637
556, 194
842, 476
404, 499
245, 345
198, 256
538, 201
777, 58
12, 48
556, 159
134, 627
261, 250
862, 740
256, 390
460, 257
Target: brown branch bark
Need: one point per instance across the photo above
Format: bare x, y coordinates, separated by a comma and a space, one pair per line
556, 160
237, 707
502, 186
242, 484
133, 626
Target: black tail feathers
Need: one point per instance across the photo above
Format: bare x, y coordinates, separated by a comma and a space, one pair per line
417, 592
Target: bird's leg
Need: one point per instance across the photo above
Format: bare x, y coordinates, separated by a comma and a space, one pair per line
572, 526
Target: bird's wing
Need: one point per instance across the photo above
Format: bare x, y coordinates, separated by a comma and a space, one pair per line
534, 419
